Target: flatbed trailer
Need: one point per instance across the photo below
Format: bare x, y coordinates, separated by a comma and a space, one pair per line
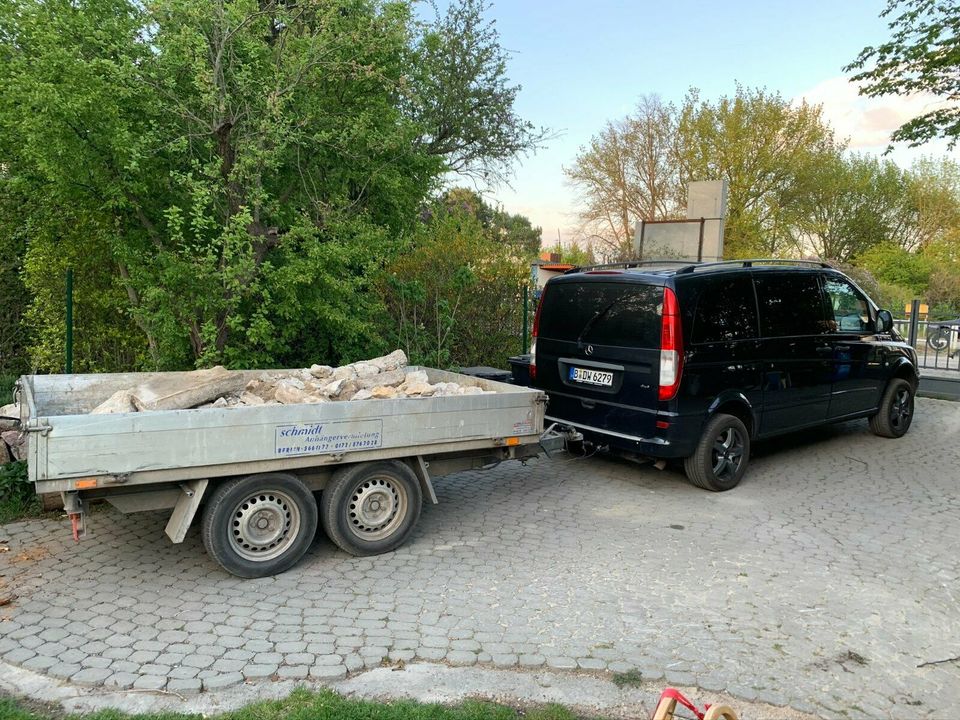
254, 470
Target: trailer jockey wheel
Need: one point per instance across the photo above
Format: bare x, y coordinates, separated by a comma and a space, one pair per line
371, 508
259, 525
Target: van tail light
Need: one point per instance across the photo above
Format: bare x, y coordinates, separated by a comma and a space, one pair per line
671, 347
536, 332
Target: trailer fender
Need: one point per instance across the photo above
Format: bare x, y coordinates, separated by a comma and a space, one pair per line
191, 495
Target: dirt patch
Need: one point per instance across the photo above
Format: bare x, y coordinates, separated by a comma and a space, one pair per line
31, 555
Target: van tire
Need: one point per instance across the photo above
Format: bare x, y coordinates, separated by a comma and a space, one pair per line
371, 508
230, 525
725, 438
895, 415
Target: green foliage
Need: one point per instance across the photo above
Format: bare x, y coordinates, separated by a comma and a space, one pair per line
324, 705
757, 141
226, 177
921, 56
454, 297
13, 300
838, 206
514, 232
17, 498
462, 98
893, 265
6, 388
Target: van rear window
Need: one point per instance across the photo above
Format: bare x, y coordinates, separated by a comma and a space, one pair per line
601, 313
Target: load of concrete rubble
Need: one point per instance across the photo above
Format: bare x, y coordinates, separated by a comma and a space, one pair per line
381, 378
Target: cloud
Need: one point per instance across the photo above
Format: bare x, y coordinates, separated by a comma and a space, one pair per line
867, 122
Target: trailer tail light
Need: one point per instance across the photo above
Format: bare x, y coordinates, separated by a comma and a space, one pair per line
536, 332
671, 347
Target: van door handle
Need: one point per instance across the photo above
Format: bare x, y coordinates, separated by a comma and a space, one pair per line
843, 348
825, 350
588, 404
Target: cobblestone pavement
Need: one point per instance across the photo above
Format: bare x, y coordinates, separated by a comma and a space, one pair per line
822, 582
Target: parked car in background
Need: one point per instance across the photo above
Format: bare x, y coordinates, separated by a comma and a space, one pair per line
696, 361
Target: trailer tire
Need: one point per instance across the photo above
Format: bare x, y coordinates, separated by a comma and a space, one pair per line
259, 525
371, 508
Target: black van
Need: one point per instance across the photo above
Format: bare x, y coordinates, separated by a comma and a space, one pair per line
695, 361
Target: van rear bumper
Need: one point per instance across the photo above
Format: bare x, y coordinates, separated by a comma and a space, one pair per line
657, 447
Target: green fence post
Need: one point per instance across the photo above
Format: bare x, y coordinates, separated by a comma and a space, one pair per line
69, 320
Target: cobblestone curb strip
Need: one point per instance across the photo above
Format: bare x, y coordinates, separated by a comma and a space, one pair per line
821, 583
424, 682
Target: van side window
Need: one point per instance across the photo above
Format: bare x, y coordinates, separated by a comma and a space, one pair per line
790, 304
847, 309
726, 310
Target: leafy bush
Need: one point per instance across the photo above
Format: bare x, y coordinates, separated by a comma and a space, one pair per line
17, 497
455, 297
6, 388
895, 266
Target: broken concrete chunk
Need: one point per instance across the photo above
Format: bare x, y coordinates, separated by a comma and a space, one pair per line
120, 402
220, 402
347, 390
321, 371
362, 394
383, 392
181, 391
396, 359
263, 387
248, 398
347, 372
12, 415
391, 377
5, 456
365, 369
417, 376
289, 394
17, 442
424, 389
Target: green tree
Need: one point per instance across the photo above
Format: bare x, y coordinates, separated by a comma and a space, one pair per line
839, 206
462, 98
921, 56
627, 173
238, 169
515, 232
758, 142
454, 297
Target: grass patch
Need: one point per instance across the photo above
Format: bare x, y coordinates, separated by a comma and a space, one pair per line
17, 498
323, 705
630, 678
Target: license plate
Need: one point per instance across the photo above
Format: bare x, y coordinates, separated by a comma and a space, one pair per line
591, 377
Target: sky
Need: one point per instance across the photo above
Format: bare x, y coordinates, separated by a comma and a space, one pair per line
583, 62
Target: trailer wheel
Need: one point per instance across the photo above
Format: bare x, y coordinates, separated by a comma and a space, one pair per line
259, 525
371, 508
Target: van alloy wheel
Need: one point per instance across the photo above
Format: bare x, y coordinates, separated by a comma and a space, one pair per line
721, 455
901, 408
727, 453
895, 414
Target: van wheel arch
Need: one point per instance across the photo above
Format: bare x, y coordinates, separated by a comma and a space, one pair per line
739, 407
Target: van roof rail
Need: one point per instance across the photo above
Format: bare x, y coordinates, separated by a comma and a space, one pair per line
627, 265
754, 261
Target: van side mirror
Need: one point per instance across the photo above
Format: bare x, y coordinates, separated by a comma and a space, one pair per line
884, 321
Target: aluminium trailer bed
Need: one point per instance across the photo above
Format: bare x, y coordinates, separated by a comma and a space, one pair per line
255, 469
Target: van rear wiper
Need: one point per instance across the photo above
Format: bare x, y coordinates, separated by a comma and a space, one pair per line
593, 321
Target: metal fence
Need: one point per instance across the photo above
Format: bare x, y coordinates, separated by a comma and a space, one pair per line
937, 342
